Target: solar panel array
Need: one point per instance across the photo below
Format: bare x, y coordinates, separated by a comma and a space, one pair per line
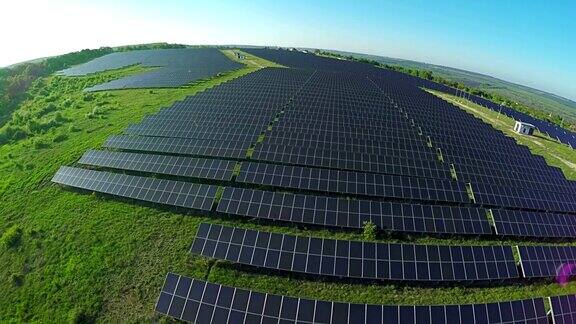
561, 134
171, 67
200, 302
309, 61
354, 259
336, 144
353, 131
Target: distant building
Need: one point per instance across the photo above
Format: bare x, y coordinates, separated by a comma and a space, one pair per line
524, 128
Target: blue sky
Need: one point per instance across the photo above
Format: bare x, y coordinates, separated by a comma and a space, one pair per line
527, 42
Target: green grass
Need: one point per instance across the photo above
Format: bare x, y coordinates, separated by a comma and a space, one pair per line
250, 59
555, 153
70, 256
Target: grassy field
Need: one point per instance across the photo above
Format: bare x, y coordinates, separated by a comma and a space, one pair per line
555, 153
69, 256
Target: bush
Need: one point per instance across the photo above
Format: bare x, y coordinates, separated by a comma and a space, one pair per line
46, 109
51, 98
59, 118
88, 97
78, 315
60, 138
74, 129
12, 237
17, 134
39, 144
96, 112
369, 231
67, 103
36, 127
17, 279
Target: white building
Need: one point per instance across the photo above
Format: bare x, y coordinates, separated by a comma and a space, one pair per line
524, 128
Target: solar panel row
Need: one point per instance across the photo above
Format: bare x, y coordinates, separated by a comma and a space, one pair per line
182, 146
200, 302
224, 135
161, 164
533, 224
349, 182
338, 157
168, 192
523, 198
354, 259
347, 213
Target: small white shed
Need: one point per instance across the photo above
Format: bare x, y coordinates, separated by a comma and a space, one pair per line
524, 128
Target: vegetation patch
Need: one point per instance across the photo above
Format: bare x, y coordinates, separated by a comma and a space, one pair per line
12, 237
369, 231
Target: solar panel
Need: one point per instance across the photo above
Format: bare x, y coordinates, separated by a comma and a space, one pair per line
513, 180
349, 213
356, 145
354, 259
388, 163
208, 124
178, 146
198, 301
349, 182
563, 309
224, 135
162, 164
168, 192
547, 261
523, 198
302, 154
534, 224
173, 67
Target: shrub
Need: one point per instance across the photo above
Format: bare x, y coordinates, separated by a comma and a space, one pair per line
369, 231
67, 103
59, 118
19, 134
46, 109
12, 237
88, 97
74, 129
60, 138
17, 279
39, 144
96, 112
51, 98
